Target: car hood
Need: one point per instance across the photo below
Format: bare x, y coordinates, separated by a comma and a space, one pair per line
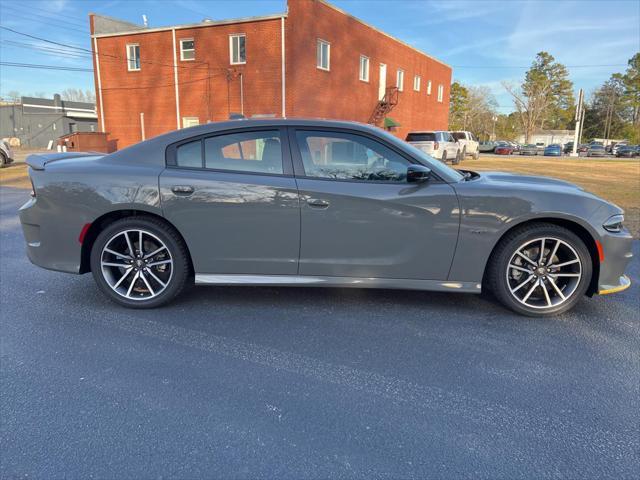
505, 179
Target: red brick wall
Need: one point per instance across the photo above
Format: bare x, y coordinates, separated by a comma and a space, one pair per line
339, 93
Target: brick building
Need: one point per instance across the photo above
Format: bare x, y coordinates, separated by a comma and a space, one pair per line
315, 60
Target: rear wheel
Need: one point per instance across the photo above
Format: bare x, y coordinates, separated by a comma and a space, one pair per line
457, 159
139, 262
444, 157
540, 269
476, 155
4, 161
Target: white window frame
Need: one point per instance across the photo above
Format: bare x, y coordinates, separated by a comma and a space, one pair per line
400, 80
231, 39
182, 50
429, 87
319, 62
131, 59
191, 121
440, 93
365, 77
417, 80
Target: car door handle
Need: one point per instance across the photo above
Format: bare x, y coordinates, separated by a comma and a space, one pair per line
317, 203
182, 189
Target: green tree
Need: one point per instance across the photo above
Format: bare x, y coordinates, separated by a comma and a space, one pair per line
545, 97
458, 106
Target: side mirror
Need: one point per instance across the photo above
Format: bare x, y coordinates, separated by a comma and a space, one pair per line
418, 173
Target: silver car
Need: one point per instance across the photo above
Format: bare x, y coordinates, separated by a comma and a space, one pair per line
316, 203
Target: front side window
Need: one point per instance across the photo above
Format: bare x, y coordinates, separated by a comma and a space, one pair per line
345, 156
416, 83
323, 52
364, 68
237, 49
440, 93
133, 57
256, 152
400, 80
187, 49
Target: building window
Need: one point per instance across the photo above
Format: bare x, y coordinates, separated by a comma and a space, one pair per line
440, 93
416, 83
323, 55
364, 68
429, 87
237, 49
187, 49
133, 57
400, 80
190, 122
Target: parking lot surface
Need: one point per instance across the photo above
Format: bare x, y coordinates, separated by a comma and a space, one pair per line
309, 383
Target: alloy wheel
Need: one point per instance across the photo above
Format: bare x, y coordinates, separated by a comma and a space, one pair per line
544, 273
136, 264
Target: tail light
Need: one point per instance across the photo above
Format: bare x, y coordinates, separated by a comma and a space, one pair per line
435, 145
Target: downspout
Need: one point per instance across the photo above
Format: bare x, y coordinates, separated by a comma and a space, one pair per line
175, 78
95, 50
284, 89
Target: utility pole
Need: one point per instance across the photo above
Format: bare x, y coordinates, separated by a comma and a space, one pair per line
579, 119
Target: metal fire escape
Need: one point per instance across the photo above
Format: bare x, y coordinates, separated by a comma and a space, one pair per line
384, 106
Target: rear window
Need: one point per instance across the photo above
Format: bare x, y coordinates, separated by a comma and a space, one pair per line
421, 137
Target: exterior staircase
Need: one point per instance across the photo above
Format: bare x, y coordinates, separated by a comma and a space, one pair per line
384, 106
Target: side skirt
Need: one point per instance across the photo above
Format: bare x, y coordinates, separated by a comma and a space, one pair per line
348, 282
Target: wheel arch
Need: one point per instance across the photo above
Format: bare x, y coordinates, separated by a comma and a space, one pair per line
107, 219
573, 226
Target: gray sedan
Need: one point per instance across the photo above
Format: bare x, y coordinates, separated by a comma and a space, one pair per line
316, 203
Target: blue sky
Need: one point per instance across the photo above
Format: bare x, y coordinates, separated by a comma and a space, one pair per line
486, 42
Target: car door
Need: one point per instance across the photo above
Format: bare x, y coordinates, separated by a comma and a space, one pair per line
233, 197
361, 218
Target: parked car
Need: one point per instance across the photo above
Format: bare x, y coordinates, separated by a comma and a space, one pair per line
439, 144
487, 147
6, 154
553, 150
468, 142
315, 203
540, 146
503, 148
568, 148
614, 148
628, 151
596, 150
529, 149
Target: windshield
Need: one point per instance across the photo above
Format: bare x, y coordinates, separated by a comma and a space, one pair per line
421, 137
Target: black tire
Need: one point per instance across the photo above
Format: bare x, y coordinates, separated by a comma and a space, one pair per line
456, 160
444, 157
464, 153
496, 279
476, 155
4, 161
181, 270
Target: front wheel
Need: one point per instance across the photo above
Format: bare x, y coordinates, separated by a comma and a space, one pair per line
140, 262
540, 269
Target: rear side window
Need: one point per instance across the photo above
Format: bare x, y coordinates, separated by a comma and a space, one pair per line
258, 152
421, 137
189, 155
459, 135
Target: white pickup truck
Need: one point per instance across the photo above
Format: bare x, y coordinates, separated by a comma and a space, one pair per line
468, 142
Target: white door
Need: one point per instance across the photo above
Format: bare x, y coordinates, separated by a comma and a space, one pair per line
382, 88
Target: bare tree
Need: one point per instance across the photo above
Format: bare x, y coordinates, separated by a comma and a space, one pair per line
77, 95
532, 101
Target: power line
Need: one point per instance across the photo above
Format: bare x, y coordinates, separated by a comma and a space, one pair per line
51, 22
529, 66
48, 50
45, 67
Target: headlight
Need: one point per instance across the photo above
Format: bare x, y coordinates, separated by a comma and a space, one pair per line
614, 224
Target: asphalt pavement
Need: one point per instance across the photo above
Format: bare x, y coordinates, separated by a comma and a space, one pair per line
300, 383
